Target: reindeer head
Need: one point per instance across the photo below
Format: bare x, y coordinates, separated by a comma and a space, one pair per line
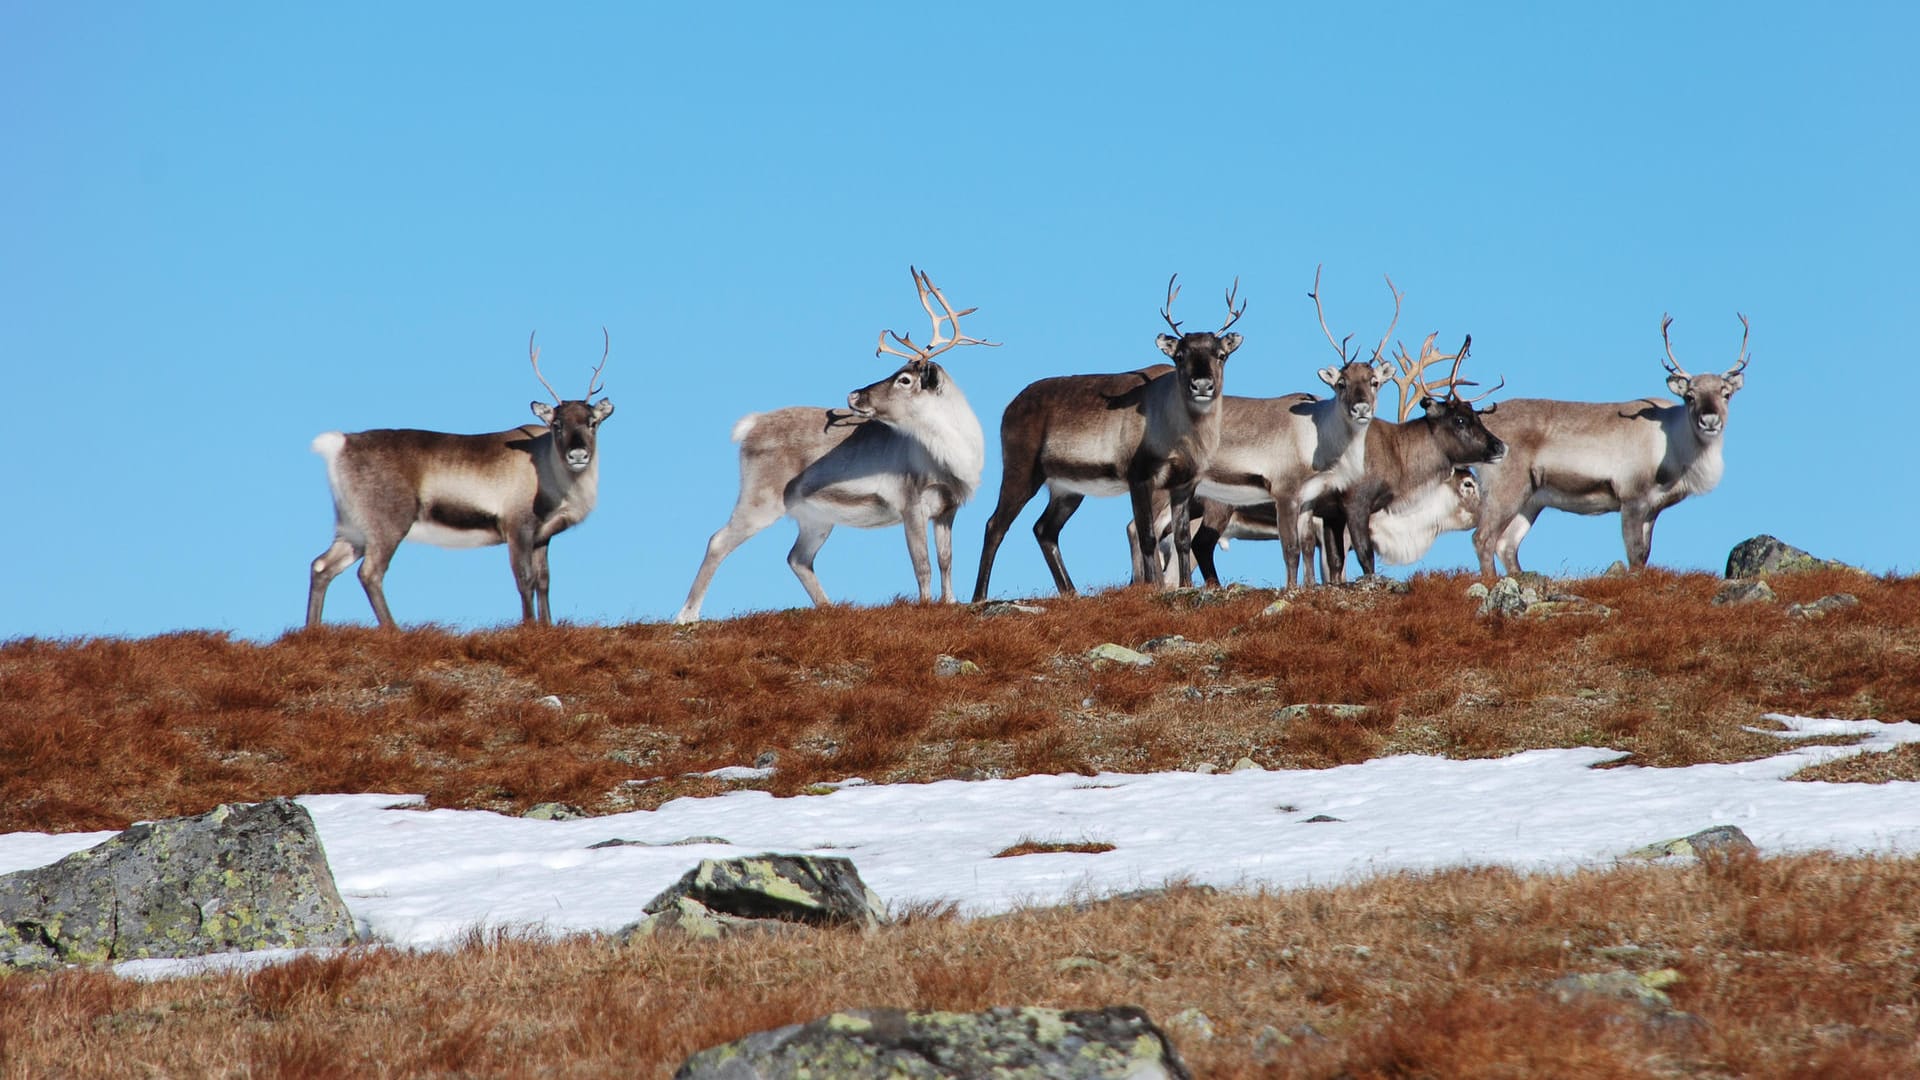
1356, 383
1200, 357
1462, 435
1707, 396
918, 386
575, 424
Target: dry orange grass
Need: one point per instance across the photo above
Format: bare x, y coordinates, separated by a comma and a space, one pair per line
100, 733
1791, 967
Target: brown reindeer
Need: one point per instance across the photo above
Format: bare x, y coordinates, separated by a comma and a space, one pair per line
1637, 457
1134, 433
520, 487
909, 452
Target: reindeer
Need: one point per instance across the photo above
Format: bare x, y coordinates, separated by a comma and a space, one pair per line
909, 451
1410, 464
1637, 457
1134, 433
520, 487
1288, 451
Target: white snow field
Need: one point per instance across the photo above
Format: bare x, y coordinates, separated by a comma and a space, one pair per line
427, 877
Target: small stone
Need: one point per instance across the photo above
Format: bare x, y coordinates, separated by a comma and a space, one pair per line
1720, 840
1268, 1043
1193, 1022
1078, 963
554, 811
551, 701
1619, 985
1276, 608
947, 667
1290, 713
995, 608
1477, 591
1563, 606
1508, 598
1206, 768
1617, 570
1169, 643
767, 759
1823, 607
1745, 591
1321, 819
1246, 764
1118, 654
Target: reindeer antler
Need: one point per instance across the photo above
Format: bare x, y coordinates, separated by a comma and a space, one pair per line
1341, 346
1673, 366
939, 342
534, 355
1173, 293
594, 385
1233, 316
1380, 349
1745, 329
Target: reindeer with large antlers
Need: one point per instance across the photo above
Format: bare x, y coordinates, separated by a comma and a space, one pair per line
1146, 433
908, 452
1637, 457
520, 487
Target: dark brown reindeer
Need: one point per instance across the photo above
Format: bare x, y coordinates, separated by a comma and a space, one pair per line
1637, 457
909, 452
1133, 433
1413, 488
520, 487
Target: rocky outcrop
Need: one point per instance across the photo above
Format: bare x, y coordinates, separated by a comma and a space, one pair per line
1718, 840
1764, 555
1745, 591
1011, 1044
240, 878
1821, 608
1526, 597
760, 892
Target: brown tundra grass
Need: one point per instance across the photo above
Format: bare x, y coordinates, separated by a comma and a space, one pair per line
1798, 966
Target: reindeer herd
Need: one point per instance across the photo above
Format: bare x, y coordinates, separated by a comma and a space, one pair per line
1318, 473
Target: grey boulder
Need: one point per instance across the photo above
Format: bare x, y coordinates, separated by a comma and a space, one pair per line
244, 876
723, 896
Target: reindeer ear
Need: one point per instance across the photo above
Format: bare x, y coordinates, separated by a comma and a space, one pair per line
1679, 384
1382, 374
1167, 343
544, 411
1330, 376
1735, 380
1228, 343
1427, 403
603, 410
930, 378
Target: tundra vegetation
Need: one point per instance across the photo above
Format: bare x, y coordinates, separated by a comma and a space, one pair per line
1798, 965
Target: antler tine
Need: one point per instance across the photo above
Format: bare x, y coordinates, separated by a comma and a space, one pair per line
1232, 315
1745, 329
1453, 377
1673, 366
1317, 310
1173, 293
1397, 297
1480, 397
534, 355
593, 381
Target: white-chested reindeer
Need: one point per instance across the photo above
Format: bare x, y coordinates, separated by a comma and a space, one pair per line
910, 452
1146, 433
520, 487
1637, 457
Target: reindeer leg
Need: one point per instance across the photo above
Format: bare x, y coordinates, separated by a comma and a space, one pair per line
943, 551
800, 559
914, 517
1047, 532
1180, 503
1016, 490
1147, 571
751, 514
520, 557
1636, 529
373, 571
328, 566
542, 584
1286, 522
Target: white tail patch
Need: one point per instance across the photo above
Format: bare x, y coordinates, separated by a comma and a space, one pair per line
328, 444
744, 425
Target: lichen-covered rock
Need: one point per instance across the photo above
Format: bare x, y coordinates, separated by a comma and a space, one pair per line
1745, 591
1287, 714
947, 666
1763, 555
1118, 654
1009, 1044
723, 896
1509, 598
1718, 840
1823, 607
554, 811
1561, 606
240, 878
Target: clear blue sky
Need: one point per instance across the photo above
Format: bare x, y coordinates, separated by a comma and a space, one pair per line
232, 227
